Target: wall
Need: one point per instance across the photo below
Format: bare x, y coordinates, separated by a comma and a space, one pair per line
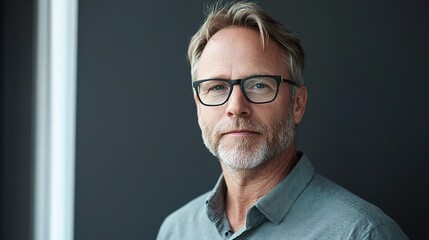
16, 119
139, 152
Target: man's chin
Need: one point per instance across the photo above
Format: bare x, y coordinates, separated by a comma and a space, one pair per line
241, 160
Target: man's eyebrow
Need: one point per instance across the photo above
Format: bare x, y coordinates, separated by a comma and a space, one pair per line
220, 76
216, 77
259, 73
255, 74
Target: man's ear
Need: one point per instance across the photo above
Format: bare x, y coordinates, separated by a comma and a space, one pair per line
299, 104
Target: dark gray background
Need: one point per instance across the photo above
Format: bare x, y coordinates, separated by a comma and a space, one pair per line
139, 151
16, 20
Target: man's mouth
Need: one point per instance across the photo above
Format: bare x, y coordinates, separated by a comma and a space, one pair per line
243, 132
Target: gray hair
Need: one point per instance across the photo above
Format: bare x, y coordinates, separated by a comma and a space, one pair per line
248, 15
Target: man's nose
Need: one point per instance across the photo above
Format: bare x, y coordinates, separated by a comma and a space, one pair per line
237, 104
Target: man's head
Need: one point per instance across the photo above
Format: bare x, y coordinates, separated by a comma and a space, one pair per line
249, 122
248, 15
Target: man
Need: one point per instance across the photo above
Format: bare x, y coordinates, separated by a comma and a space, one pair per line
268, 190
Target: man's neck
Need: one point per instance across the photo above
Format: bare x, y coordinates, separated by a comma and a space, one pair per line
246, 187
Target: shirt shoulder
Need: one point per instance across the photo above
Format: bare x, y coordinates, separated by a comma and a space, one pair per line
332, 196
344, 214
180, 223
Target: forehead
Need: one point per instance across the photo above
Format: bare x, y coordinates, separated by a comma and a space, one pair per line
239, 52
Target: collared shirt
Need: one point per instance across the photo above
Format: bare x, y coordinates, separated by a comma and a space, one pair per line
304, 205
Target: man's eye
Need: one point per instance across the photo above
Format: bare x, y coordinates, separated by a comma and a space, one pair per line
217, 88
259, 85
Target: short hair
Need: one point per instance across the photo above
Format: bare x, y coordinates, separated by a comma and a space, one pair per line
248, 15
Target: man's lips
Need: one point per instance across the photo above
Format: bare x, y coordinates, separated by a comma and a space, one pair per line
240, 133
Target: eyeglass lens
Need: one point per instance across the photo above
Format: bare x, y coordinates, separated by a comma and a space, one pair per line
257, 90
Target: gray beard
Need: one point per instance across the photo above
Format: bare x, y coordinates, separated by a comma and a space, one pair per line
245, 154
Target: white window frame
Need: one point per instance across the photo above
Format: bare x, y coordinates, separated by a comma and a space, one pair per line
55, 110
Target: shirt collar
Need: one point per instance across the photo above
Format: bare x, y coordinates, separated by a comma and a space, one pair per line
275, 204
215, 202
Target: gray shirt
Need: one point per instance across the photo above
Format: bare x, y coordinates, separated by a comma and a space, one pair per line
304, 205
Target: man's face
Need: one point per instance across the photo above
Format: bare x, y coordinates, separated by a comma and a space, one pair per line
241, 134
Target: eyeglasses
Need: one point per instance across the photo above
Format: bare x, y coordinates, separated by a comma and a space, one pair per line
256, 89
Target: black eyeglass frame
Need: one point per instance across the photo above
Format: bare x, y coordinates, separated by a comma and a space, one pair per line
233, 82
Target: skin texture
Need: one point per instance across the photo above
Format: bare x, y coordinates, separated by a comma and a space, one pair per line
241, 127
